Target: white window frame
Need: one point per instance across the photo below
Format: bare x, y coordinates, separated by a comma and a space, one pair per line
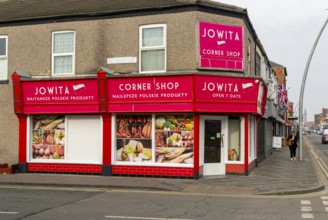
141, 28
242, 144
249, 57
252, 138
53, 55
67, 153
5, 57
151, 163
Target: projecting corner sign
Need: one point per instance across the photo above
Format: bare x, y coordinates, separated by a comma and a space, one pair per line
220, 46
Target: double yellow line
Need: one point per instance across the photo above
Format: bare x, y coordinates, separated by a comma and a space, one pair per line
320, 162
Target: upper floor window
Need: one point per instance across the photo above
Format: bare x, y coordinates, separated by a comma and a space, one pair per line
63, 53
249, 57
152, 55
258, 63
3, 58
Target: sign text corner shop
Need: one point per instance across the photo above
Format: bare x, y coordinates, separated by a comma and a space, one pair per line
180, 88
155, 89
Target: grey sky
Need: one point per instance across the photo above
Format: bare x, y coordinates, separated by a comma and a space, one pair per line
287, 30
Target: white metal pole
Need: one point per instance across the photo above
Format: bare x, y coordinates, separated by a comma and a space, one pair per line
302, 90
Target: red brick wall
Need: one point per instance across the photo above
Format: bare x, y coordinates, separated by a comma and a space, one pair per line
153, 171
201, 170
251, 166
280, 73
64, 168
239, 168
235, 169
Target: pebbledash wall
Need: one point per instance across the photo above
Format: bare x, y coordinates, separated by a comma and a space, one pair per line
136, 125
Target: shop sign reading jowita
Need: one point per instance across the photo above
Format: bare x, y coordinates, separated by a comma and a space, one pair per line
226, 89
220, 46
75, 91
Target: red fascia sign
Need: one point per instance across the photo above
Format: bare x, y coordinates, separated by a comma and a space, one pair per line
60, 96
196, 93
155, 94
178, 93
227, 94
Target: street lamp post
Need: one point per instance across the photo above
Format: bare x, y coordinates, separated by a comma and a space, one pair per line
302, 90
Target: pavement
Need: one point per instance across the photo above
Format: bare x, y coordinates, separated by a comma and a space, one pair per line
276, 175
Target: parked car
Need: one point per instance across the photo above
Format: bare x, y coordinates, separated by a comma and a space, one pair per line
324, 136
320, 132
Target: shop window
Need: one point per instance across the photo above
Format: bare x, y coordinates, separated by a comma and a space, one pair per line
62, 139
84, 139
174, 139
3, 58
134, 138
63, 53
258, 62
234, 146
48, 137
161, 139
249, 57
259, 98
152, 56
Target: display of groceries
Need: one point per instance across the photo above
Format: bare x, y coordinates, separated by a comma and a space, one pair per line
48, 137
174, 138
133, 138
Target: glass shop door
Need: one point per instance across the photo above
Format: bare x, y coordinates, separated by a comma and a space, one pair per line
214, 139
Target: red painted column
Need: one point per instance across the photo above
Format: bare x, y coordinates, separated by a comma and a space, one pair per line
22, 122
107, 123
196, 146
246, 143
107, 139
102, 90
196, 131
22, 145
17, 92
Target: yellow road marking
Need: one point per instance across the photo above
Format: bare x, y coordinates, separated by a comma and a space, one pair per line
141, 218
8, 213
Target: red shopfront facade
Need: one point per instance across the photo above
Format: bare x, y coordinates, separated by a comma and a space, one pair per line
182, 126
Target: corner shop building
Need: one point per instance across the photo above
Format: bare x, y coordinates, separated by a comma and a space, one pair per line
170, 126
195, 115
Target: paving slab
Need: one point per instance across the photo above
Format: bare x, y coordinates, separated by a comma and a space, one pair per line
276, 175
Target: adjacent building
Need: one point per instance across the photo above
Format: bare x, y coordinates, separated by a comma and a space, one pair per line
282, 125
320, 118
